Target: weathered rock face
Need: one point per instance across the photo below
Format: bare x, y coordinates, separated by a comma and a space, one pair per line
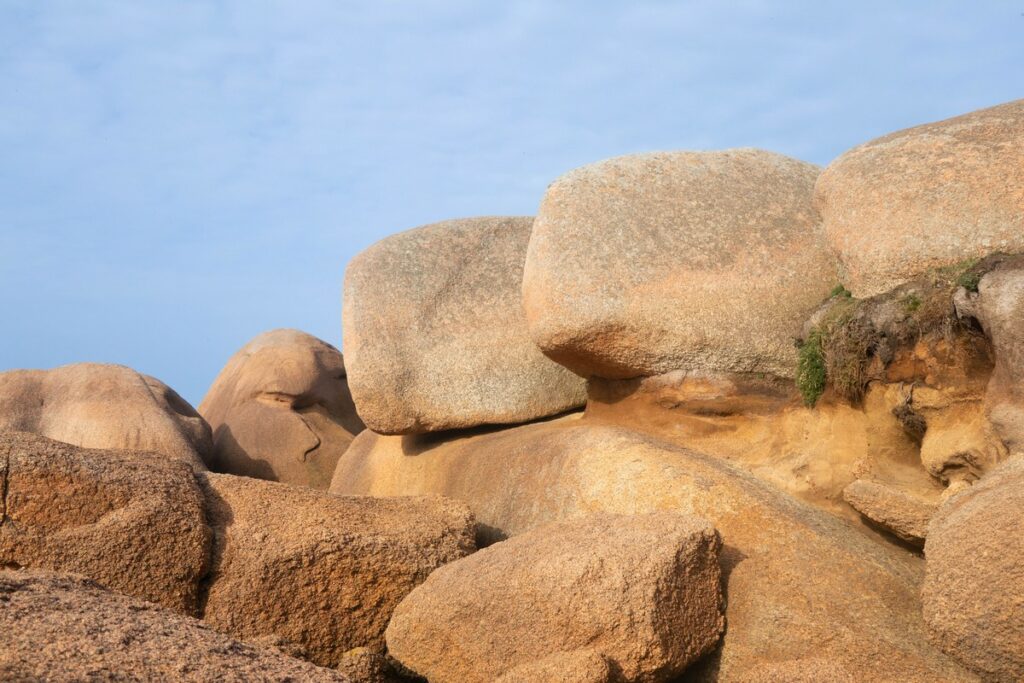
66, 628
899, 512
835, 594
578, 666
321, 571
974, 589
103, 406
281, 410
133, 521
999, 306
643, 590
927, 196
434, 334
650, 263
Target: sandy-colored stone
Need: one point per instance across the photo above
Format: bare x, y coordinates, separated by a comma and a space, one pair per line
58, 627
799, 583
642, 590
897, 511
578, 666
281, 410
133, 521
323, 572
927, 196
368, 665
974, 588
434, 335
94, 405
650, 263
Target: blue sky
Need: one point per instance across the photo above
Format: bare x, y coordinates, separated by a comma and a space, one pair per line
176, 177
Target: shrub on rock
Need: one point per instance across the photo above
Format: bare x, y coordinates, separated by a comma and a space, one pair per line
928, 196
93, 405
281, 410
650, 263
66, 628
434, 334
133, 521
323, 572
642, 590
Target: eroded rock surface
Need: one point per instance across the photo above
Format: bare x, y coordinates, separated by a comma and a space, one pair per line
642, 590
927, 196
650, 263
59, 627
578, 666
434, 334
133, 521
281, 410
898, 511
322, 572
104, 406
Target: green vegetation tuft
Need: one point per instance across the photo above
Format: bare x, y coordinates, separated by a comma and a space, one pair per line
911, 303
840, 290
810, 370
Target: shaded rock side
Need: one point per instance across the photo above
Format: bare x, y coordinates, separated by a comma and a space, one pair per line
322, 572
59, 627
133, 521
648, 263
434, 334
974, 587
789, 569
281, 410
642, 590
93, 405
928, 196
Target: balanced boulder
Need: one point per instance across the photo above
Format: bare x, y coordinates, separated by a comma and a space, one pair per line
434, 334
58, 627
800, 584
974, 587
925, 197
281, 410
133, 521
642, 590
649, 263
898, 511
321, 572
95, 405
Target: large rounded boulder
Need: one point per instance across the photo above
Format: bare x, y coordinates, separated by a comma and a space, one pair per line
974, 585
434, 334
95, 405
926, 197
649, 263
642, 590
281, 410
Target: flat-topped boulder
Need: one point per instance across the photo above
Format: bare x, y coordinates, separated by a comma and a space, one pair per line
59, 627
643, 591
926, 197
281, 410
434, 334
133, 521
800, 584
95, 405
649, 263
974, 588
321, 572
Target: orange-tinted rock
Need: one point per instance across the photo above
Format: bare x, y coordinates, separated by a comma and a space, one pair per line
642, 590
281, 410
60, 627
104, 406
322, 572
928, 196
133, 521
578, 666
650, 263
434, 334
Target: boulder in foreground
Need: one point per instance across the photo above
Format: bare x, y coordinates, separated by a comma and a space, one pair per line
59, 627
133, 521
322, 572
642, 590
578, 666
649, 263
924, 197
434, 333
